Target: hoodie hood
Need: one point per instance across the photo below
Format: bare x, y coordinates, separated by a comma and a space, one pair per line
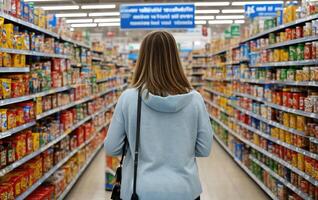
168, 104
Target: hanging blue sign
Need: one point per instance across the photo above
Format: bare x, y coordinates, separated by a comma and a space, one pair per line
157, 16
262, 10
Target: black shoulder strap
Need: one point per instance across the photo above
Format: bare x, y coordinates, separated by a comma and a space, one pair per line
137, 144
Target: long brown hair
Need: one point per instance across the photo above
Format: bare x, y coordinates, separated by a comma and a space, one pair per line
158, 68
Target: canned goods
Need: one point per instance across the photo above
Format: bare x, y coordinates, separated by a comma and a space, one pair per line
301, 122
308, 51
299, 31
300, 51
300, 161
293, 52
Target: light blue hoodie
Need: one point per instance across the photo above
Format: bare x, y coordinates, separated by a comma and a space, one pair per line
174, 130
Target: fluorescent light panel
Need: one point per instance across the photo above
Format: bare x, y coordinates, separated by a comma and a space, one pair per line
97, 6
230, 17
71, 21
233, 11
71, 15
220, 21
206, 11
226, 3
239, 21
107, 20
108, 24
103, 14
200, 22
242, 3
84, 25
203, 17
44, 0
60, 7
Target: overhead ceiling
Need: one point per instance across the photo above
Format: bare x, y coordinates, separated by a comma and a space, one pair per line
219, 15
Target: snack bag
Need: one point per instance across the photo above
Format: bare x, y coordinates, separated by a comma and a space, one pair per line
8, 34
1, 32
5, 87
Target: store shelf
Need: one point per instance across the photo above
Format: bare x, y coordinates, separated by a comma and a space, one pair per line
198, 66
219, 79
278, 28
201, 56
52, 91
97, 59
292, 42
78, 43
219, 52
293, 83
50, 144
247, 171
28, 25
49, 173
14, 69
216, 106
249, 96
285, 64
277, 141
97, 51
282, 180
215, 92
16, 129
33, 53
79, 65
196, 74
282, 108
197, 84
82, 170
278, 125
106, 79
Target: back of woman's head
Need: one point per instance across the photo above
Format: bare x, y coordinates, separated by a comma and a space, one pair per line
158, 68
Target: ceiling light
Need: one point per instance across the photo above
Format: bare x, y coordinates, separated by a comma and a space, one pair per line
242, 3
84, 25
212, 3
60, 7
200, 22
206, 11
230, 17
72, 29
220, 21
101, 14
71, 21
239, 21
203, 17
107, 20
233, 11
108, 24
43, 0
105, 6
71, 15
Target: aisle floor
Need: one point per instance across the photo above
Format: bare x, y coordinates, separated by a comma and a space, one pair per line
221, 179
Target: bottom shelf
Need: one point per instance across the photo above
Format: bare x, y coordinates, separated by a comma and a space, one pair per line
247, 171
80, 173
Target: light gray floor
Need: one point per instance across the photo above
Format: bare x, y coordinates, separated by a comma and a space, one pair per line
221, 179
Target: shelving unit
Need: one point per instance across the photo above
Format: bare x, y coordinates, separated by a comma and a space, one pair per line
77, 78
244, 113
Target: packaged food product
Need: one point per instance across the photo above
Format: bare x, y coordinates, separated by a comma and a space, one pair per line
5, 88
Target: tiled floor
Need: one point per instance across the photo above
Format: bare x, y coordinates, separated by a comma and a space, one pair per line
221, 178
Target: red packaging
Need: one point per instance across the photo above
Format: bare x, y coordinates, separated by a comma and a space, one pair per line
304, 186
29, 141
286, 97
296, 98
19, 116
299, 31
15, 89
308, 51
13, 10
294, 34
56, 65
88, 130
279, 98
302, 102
6, 191
289, 34
80, 132
55, 79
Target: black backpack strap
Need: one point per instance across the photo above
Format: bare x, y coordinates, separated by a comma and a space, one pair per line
134, 195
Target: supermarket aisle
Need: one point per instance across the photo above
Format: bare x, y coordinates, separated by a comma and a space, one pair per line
222, 179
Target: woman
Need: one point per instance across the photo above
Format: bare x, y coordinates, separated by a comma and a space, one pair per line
175, 126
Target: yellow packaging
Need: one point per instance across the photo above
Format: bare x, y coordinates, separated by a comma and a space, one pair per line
1, 31
38, 108
288, 138
286, 119
282, 135
292, 121
6, 60
23, 60
8, 29
301, 161
5, 88
18, 60
276, 55
275, 132
1, 58
36, 141
301, 121
4, 120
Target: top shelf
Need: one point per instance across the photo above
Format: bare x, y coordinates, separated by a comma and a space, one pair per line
283, 26
42, 30
201, 56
